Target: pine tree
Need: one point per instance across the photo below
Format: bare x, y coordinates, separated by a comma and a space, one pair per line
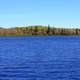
48, 30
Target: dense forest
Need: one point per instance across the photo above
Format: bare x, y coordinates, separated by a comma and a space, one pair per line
38, 30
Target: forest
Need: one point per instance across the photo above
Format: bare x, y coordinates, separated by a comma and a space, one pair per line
38, 30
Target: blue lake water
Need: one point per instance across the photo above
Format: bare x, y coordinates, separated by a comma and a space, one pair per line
40, 58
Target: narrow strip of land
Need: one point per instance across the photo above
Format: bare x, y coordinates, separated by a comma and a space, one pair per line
38, 30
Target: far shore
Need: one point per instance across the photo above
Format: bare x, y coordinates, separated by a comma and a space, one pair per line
38, 30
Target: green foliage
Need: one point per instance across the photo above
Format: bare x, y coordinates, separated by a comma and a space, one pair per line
37, 30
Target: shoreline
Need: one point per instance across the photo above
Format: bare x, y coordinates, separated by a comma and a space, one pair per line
38, 31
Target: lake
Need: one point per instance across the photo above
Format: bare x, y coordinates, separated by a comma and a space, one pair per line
40, 58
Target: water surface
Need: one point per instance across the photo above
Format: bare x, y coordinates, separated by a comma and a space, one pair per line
40, 58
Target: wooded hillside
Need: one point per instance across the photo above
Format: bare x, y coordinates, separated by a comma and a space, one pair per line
38, 30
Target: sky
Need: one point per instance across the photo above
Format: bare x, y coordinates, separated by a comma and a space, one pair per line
59, 13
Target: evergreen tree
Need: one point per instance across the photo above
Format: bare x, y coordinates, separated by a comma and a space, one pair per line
76, 31
48, 30
35, 30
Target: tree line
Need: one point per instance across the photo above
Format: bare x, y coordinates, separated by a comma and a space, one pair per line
38, 30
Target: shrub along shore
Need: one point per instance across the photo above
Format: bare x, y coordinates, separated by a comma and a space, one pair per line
38, 30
